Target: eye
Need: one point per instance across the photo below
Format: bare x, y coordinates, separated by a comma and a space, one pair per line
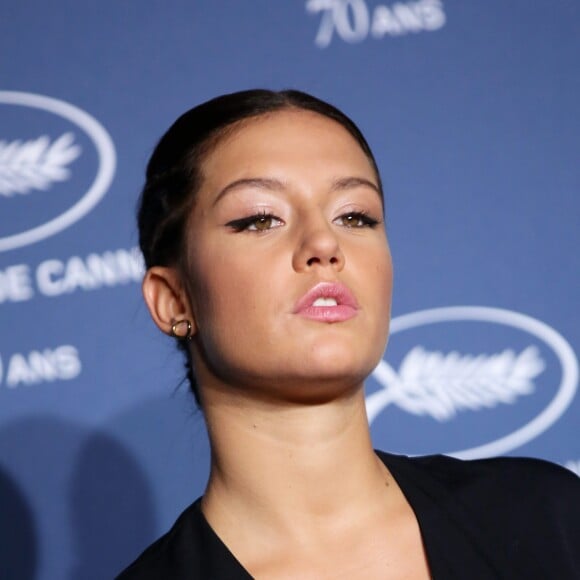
356, 219
256, 223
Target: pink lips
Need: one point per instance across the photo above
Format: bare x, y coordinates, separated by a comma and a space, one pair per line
346, 304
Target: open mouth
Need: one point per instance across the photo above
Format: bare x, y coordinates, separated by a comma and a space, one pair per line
327, 302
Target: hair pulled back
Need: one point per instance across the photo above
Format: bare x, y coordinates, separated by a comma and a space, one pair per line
174, 175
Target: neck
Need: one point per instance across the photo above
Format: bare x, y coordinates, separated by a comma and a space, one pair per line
288, 467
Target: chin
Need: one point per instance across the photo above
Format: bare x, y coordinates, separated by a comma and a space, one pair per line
337, 364
340, 354
319, 389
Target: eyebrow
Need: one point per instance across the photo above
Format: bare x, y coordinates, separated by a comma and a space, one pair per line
344, 183
258, 182
339, 184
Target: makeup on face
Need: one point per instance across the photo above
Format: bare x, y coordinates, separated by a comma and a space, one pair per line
329, 302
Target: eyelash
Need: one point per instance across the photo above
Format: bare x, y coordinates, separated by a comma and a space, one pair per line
366, 221
244, 224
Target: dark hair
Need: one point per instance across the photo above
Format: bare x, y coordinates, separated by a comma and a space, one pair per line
174, 175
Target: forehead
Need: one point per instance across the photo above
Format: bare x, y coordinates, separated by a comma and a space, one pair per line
284, 139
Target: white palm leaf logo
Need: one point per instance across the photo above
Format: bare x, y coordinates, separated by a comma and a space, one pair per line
35, 164
439, 385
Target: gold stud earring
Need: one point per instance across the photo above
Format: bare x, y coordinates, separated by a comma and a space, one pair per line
178, 327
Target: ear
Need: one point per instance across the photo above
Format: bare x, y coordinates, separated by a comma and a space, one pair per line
166, 298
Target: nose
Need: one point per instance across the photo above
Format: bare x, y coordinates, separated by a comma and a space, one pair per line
318, 246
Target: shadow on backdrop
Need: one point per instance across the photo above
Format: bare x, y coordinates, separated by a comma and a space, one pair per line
87, 503
39, 450
130, 481
18, 541
83, 502
111, 508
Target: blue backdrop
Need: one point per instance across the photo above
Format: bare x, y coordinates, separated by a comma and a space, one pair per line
472, 111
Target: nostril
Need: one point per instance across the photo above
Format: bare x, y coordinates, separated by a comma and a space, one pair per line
315, 260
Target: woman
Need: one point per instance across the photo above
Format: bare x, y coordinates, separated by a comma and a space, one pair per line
261, 223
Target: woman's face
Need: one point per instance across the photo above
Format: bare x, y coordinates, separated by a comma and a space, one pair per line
288, 267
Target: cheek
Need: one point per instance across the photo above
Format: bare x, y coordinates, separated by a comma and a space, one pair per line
225, 294
383, 286
387, 276
377, 262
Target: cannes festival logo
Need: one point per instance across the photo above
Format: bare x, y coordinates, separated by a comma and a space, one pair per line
354, 21
38, 166
442, 386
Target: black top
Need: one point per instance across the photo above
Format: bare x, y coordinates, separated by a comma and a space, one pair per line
490, 518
